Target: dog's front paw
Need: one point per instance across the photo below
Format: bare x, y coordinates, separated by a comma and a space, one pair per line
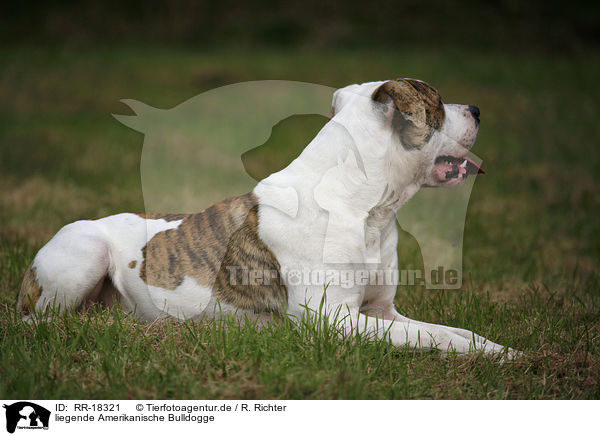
512, 354
505, 353
509, 354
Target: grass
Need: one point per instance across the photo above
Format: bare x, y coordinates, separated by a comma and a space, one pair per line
531, 247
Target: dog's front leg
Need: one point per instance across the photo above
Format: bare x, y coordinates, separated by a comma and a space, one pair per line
478, 342
379, 299
408, 333
380, 305
342, 308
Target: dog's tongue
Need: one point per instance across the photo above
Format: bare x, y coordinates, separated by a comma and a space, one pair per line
472, 167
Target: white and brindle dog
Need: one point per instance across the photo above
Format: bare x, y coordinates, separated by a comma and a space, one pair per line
337, 200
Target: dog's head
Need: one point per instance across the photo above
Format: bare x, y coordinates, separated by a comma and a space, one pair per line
429, 138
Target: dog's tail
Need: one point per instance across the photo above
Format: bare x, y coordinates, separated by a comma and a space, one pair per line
30, 292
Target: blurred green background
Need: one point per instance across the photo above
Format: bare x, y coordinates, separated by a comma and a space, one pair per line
532, 69
532, 226
503, 24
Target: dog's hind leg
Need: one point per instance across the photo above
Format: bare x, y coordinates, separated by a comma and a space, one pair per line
68, 269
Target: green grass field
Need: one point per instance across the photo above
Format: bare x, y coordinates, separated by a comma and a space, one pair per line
531, 248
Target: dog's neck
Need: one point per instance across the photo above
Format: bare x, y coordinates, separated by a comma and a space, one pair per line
350, 173
366, 159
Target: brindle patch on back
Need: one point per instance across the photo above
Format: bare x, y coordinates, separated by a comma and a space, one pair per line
164, 216
205, 244
250, 276
30, 292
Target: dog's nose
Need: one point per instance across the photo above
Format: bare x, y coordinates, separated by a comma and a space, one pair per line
475, 112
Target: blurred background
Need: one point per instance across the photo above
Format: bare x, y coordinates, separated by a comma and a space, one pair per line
506, 25
532, 68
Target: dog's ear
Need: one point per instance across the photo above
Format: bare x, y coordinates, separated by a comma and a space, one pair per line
405, 109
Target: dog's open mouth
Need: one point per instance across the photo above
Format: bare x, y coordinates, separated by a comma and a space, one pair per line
452, 170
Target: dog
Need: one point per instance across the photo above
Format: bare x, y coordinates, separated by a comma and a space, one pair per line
332, 209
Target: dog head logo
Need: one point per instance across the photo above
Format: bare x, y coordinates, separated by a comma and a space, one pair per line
219, 143
26, 415
191, 154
